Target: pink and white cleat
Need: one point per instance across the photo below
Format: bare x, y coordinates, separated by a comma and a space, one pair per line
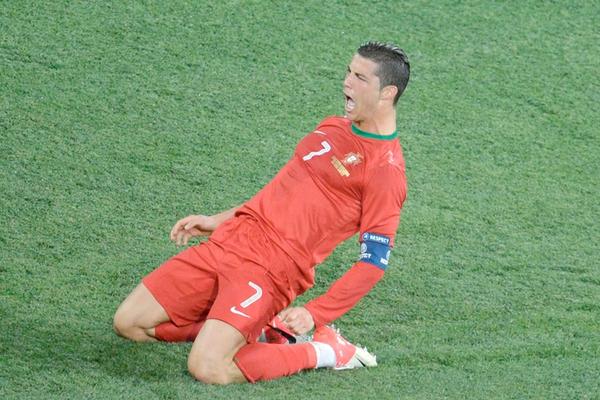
348, 356
277, 332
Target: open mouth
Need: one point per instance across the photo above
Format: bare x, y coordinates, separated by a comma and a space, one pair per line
350, 103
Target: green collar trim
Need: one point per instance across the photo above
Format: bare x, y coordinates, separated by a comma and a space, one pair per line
374, 135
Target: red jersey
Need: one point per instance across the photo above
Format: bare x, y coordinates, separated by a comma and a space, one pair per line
339, 181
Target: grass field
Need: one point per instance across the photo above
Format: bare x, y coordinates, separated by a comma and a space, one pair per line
118, 119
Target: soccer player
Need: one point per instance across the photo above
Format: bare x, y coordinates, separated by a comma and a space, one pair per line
346, 176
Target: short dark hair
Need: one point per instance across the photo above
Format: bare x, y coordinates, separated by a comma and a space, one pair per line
393, 67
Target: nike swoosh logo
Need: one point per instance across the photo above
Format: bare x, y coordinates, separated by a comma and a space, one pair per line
236, 311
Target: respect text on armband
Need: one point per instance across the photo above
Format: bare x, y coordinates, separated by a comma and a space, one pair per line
375, 250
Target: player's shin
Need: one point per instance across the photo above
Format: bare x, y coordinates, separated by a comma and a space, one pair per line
169, 332
261, 361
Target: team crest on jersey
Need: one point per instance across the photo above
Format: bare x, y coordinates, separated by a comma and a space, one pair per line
353, 159
390, 157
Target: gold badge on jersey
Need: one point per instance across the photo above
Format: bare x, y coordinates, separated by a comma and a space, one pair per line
337, 164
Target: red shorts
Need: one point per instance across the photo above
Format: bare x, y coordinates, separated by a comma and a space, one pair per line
226, 278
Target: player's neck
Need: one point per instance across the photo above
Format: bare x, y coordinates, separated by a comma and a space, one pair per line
383, 125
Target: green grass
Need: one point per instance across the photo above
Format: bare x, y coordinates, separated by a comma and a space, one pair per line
118, 119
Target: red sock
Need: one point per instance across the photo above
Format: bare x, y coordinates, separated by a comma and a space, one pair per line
264, 361
169, 332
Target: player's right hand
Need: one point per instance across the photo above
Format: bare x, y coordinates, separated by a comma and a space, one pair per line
298, 319
191, 226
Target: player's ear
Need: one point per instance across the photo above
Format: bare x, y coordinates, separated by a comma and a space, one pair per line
389, 92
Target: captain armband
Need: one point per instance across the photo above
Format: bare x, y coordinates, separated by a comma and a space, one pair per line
375, 250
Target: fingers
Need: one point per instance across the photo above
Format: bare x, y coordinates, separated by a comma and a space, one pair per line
296, 327
297, 319
289, 314
178, 226
184, 229
192, 223
284, 313
299, 327
174, 231
181, 238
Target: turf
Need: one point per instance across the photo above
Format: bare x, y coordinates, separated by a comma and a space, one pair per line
118, 118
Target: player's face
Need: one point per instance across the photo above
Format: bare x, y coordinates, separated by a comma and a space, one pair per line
361, 89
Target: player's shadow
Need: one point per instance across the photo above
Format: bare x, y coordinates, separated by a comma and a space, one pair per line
152, 362
69, 348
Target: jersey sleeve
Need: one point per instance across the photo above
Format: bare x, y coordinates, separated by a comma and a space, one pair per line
383, 197
343, 295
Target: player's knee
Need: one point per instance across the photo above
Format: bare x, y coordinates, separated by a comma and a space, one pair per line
124, 327
120, 324
209, 372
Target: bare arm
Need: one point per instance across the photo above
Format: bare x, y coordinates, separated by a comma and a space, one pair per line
198, 225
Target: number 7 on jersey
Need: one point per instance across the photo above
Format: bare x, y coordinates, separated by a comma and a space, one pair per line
326, 148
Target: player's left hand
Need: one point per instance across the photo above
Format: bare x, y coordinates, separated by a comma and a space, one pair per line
192, 226
298, 319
